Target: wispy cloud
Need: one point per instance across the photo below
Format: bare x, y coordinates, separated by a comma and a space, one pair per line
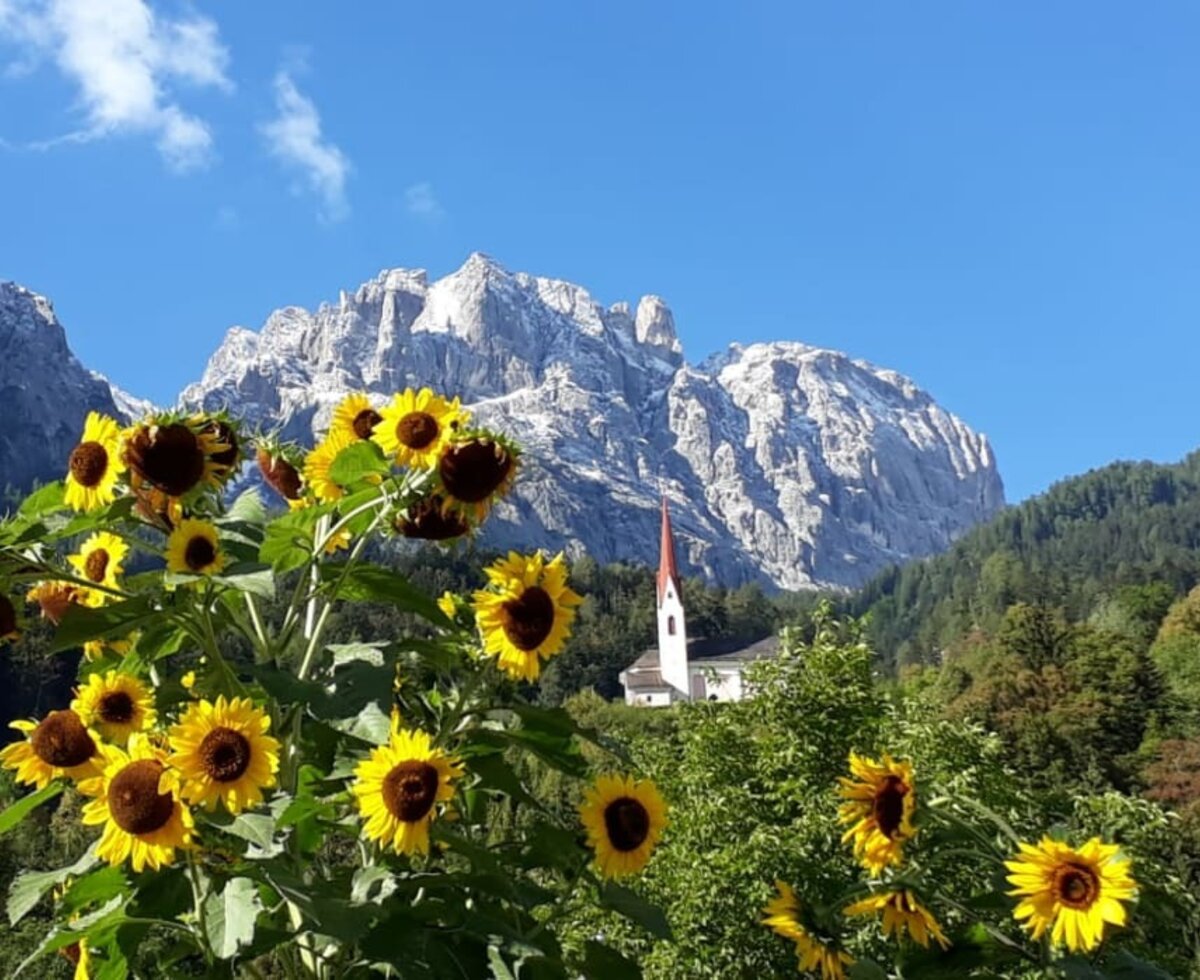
127, 62
294, 137
421, 201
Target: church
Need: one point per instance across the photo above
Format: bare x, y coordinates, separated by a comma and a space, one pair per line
683, 669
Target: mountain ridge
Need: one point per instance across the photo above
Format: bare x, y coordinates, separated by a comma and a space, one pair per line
785, 463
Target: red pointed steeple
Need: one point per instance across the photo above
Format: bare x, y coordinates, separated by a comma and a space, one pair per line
667, 572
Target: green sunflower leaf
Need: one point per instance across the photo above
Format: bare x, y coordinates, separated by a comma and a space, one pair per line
288, 542
28, 887
636, 909
602, 962
229, 916
357, 462
14, 814
81, 623
372, 583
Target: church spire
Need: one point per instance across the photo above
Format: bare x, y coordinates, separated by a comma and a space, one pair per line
667, 572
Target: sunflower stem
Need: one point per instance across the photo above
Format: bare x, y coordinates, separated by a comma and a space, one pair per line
256, 622
198, 901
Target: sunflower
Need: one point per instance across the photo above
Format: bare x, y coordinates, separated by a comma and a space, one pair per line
176, 457
9, 630
398, 786
1075, 891
525, 617
475, 471
224, 753
158, 508
99, 561
624, 818
94, 649
354, 418
783, 915
222, 447
194, 549
879, 807
417, 426
136, 798
280, 473
317, 465
116, 705
59, 745
429, 519
902, 913
94, 464
54, 598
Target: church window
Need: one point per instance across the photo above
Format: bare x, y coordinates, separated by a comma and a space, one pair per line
670, 625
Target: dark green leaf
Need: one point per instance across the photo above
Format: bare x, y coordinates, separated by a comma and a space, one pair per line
81, 623
371, 583
602, 962
288, 543
257, 579
96, 886
28, 887
635, 908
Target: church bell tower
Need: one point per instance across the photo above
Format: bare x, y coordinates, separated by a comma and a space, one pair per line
672, 626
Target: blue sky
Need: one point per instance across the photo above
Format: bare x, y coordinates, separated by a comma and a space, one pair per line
1000, 200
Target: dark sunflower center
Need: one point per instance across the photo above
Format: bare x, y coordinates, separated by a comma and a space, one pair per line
225, 754
168, 456
627, 823
71, 953
199, 553
416, 430
136, 805
410, 790
1076, 886
281, 474
428, 520
473, 471
61, 740
8, 616
88, 463
365, 422
528, 619
96, 565
116, 708
224, 434
888, 806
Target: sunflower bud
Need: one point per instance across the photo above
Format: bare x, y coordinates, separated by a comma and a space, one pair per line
280, 474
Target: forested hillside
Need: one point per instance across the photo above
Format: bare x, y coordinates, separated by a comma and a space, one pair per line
1087, 542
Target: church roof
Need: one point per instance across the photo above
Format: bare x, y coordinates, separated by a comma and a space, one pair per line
667, 570
644, 672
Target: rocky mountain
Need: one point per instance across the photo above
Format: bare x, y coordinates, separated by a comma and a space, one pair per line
783, 463
45, 392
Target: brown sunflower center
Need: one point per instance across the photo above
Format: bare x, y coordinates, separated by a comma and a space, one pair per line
225, 754
365, 421
528, 619
168, 456
473, 471
1076, 886
410, 790
8, 616
627, 823
281, 474
71, 953
96, 565
136, 805
416, 430
88, 463
427, 519
199, 553
888, 806
61, 740
116, 708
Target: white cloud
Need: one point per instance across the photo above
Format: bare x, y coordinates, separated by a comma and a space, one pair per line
126, 61
423, 203
294, 136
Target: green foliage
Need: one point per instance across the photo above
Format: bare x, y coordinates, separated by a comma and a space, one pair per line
1081, 542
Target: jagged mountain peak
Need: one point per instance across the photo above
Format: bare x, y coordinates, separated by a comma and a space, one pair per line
785, 462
